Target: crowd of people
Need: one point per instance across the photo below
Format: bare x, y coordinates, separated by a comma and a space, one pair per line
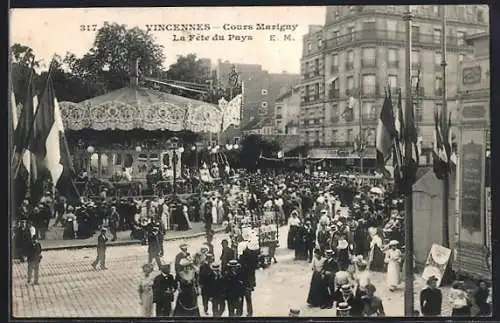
346, 226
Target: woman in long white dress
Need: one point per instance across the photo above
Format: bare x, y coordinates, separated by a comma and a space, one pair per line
146, 291
393, 260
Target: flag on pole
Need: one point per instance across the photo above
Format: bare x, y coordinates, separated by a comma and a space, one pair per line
50, 144
386, 132
23, 161
398, 148
411, 137
440, 158
231, 112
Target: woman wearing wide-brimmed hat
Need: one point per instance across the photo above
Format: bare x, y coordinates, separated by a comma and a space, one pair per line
146, 291
393, 259
187, 300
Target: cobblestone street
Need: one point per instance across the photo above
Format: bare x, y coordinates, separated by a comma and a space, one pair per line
69, 287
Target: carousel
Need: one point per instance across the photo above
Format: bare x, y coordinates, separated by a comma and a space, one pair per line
117, 139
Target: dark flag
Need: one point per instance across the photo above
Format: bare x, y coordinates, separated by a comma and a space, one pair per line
50, 144
24, 164
440, 158
398, 148
386, 133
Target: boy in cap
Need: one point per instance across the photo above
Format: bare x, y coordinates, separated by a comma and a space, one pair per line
34, 258
102, 240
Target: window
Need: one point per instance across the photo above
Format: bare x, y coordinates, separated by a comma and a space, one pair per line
316, 91
392, 28
460, 57
392, 57
335, 60
393, 81
334, 136
350, 56
480, 16
415, 33
309, 46
350, 84
368, 84
368, 56
415, 58
438, 85
368, 110
349, 137
263, 92
437, 36
461, 12
437, 59
461, 38
350, 32
414, 81
335, 34
435, 10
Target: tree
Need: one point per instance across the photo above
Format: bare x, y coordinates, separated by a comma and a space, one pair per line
253, 146
23, 61
188, 69
107, 64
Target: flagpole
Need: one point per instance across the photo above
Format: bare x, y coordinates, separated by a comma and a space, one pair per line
360, 148
446, 183
408, 294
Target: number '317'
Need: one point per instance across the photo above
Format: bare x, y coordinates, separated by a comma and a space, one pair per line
88, 27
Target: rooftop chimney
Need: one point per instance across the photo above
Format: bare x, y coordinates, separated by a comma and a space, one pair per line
134, 72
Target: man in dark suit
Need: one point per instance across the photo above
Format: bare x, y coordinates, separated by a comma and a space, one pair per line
164, 286
102, 240
114, 221
154, 246
235, 288
227, 255
217, 290
205, 278
34, 258
431, 298
310, 239
249, 261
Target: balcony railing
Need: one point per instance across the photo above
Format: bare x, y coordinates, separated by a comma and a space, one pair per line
393, 64
368, 63
373, 90
369, 117
388, 35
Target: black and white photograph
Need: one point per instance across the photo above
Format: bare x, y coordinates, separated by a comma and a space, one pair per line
272, 161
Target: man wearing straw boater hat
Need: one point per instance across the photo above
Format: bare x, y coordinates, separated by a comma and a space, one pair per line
235, 288
217, 289
181, 255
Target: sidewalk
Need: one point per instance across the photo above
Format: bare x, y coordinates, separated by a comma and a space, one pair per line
123, 238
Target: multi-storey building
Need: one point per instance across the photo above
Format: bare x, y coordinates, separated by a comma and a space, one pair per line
286, 111
261, 89
361, 49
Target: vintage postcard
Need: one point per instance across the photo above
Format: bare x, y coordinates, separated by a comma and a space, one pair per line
250, 161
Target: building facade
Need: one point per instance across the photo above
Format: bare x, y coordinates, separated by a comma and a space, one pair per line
260, 91
360, 49
286, 111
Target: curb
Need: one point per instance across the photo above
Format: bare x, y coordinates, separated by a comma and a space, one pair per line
128, 242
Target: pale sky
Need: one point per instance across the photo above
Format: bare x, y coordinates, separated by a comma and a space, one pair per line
56, 31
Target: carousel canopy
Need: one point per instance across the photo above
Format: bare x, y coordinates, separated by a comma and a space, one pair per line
135, 107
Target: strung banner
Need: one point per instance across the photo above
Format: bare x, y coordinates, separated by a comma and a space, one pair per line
436, 263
